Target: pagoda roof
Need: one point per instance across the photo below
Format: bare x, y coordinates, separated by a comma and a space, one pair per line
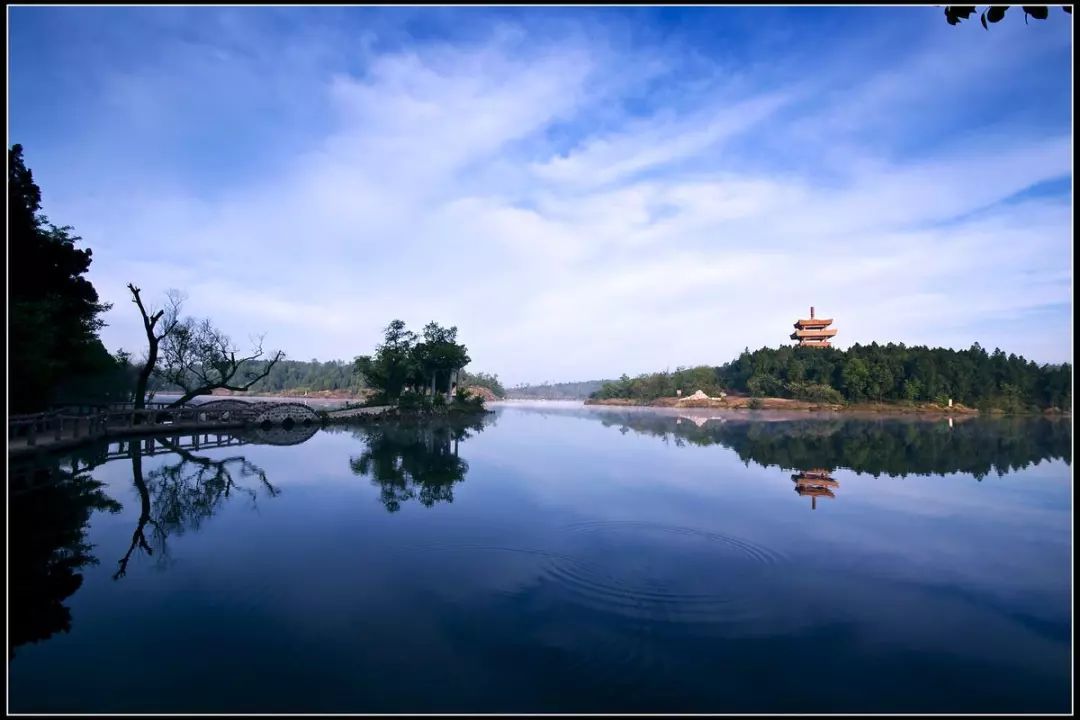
815, 343
813, 322
816, 482
815, 492
820, 333
812, 475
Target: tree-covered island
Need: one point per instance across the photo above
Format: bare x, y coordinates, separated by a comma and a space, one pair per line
892, 376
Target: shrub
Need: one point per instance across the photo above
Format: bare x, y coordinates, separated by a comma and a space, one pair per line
463, 400
815, 392
411, 401
764, 386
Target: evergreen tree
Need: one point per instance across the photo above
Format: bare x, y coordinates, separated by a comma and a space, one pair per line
53, 309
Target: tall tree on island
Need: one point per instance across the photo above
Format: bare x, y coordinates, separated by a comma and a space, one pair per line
440, 357
390, 368
401, 362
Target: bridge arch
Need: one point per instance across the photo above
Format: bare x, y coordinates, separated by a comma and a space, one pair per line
229, 409
279, 435
287, 415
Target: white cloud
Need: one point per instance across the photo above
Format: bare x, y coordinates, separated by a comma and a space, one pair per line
502, 187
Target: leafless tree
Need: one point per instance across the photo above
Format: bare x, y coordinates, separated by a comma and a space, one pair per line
194, 354
200, 358
158, 324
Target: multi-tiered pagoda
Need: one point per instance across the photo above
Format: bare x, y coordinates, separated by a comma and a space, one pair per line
814, 332
815, 483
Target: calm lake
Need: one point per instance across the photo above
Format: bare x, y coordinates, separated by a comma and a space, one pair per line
551, 558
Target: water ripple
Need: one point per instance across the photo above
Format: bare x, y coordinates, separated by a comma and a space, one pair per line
653, 572
663, 573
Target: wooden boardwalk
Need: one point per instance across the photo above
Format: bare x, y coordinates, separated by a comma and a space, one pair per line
72, 426
76, 432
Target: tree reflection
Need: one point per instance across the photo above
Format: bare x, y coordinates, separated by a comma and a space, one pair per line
48, 511
178, 497
410, 460
51, 500
890, 446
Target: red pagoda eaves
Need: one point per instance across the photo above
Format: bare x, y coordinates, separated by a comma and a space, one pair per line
813, 332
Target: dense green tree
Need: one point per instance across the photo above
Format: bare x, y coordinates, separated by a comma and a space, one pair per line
391, 366
53, 310
438, 357
856, 378
418, 364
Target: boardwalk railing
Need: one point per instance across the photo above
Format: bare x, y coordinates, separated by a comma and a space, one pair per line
74, 424
87, 422
24, 477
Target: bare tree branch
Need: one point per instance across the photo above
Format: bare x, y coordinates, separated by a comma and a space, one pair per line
168, 317
200, 358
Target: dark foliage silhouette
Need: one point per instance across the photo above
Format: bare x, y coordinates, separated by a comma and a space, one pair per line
413, 460
48, 548
54, 350
954, 14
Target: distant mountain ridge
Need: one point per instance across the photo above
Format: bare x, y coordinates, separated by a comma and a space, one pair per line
555, 391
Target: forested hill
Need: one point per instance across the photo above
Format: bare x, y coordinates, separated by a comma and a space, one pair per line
556, 391
301, 376
882, 373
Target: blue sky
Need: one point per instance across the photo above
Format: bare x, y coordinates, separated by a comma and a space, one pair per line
582, 191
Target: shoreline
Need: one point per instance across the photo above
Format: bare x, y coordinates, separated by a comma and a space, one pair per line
772, 404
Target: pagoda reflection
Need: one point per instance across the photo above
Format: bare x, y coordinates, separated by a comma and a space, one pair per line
814, 483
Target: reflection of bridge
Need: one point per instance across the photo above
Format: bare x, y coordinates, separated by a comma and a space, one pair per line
815, 483
75, 425
27, 475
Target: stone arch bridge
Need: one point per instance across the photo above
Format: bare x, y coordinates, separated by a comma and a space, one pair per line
263, 415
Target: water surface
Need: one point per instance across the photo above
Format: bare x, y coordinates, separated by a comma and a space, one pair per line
551, 558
